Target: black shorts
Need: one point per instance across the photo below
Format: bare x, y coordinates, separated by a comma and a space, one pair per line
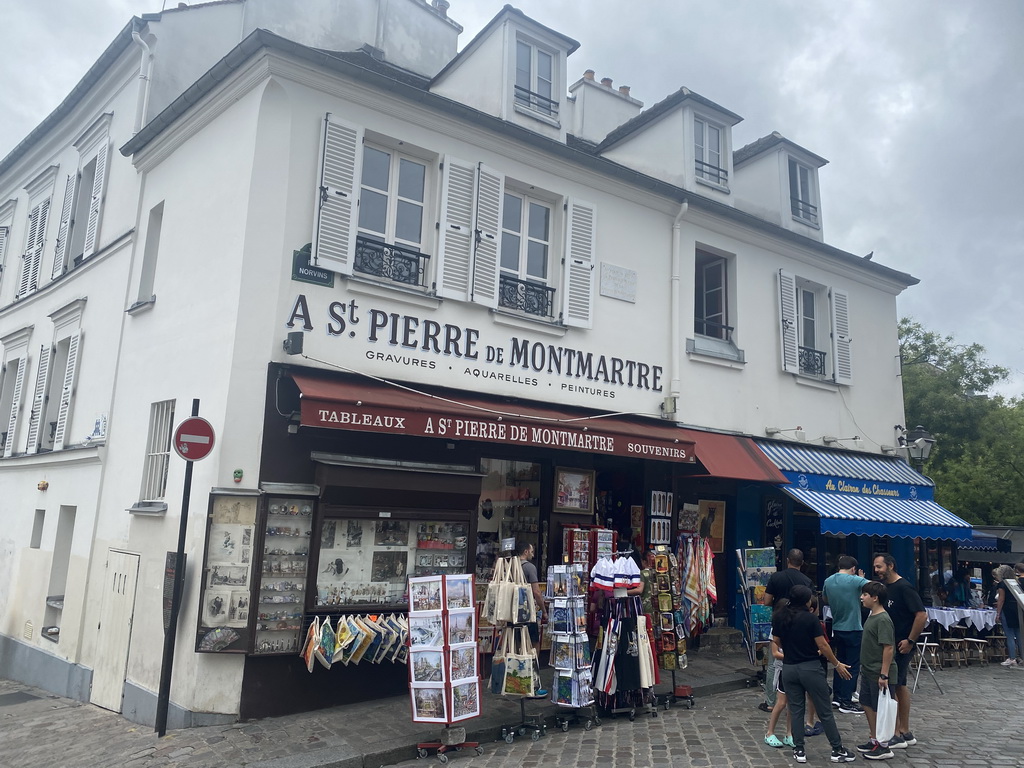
902, 667
534, 631
869, 691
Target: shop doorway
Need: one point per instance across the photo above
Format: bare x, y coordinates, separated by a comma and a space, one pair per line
114, 635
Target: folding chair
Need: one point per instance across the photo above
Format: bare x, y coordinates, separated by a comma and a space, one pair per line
924, 648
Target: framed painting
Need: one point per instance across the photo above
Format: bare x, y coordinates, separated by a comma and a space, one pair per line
574, 490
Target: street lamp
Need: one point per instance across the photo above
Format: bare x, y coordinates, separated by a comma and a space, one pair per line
919, 445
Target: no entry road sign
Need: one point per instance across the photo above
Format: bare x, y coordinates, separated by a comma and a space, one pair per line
193, 439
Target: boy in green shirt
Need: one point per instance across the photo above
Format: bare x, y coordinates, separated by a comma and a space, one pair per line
876, 663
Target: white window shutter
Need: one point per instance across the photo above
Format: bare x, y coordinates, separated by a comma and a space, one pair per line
12, 421
788, 322
26, 258
61, 250
455, 244
37, 251
39, 399
4, 234
66, 394
580, 246
337, 195
92, 230
490, 193
842, 371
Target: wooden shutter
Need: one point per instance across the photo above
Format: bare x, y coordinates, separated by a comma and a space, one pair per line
4, 233
334, 229
490, 191
455, 244
26, 257
61, 251
40, 242
788, 322
64, 411
580, 241
35, 418
92, 229
842, 372
12, 421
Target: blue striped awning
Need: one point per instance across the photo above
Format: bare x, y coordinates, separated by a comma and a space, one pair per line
819, 461
864, 494
872, 516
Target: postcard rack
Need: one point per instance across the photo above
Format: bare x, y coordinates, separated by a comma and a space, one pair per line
572, 686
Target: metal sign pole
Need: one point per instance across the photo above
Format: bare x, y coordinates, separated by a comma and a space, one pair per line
170, 632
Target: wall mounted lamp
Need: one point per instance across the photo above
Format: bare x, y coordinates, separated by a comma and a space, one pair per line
798, 432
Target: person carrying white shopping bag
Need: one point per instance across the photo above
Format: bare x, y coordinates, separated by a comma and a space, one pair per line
878, 668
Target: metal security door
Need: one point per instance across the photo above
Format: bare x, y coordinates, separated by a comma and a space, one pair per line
115, 629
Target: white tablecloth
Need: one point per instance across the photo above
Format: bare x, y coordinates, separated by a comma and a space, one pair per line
981, 618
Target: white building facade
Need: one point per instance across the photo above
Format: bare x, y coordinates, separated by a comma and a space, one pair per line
490, 268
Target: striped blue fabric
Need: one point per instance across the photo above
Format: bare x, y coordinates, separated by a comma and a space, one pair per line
820, 461
855, 515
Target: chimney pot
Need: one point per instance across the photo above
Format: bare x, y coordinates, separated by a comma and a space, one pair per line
606, 82
588, 75
624, 90
442, 7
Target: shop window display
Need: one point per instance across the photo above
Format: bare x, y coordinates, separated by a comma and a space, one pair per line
367, 561
282, 588
509, 507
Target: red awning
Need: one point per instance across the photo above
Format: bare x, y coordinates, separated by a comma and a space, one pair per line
370, 406
735, 457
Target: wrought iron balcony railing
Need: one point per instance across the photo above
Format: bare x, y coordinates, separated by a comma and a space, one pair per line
535, 101
524, 296
712, 173
812, 362
390, 262
804, 210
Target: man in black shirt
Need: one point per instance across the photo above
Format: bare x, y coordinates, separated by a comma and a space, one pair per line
779, 585
906, 610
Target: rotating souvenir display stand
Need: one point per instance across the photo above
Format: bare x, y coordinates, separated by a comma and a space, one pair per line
662, 601
444, 672
572, 687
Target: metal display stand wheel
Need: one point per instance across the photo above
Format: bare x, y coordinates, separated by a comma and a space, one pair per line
423, 750
528, 724
575, 715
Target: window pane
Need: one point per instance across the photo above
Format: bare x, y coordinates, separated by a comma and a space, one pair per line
794, 187
698, 138
544, 66
409, 223
714, 140
512, 214
523, 54
539, 221
411, 179
510, 252
537, 260
376, 168
373, 208
805, 184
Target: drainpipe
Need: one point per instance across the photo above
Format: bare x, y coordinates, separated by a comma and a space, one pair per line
145, 70
675, 309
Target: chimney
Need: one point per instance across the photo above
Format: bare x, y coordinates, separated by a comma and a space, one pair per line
588, 75
606, 82
442, 7
624, 90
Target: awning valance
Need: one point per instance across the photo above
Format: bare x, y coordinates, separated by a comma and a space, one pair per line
372, 406
861, 494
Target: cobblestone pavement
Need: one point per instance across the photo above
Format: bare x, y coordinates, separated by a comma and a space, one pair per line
977, 723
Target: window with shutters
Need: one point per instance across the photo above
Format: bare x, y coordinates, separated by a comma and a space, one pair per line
78, 232
816, 341
158, 451
12, 389
35, 242
524, 282
392, 215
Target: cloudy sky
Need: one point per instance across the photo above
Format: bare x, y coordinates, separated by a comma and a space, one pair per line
918, 105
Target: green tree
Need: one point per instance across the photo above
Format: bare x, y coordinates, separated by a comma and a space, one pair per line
977, 462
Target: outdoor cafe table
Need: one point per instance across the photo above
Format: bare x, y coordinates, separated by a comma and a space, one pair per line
980, 618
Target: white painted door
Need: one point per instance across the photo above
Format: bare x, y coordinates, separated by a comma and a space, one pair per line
115, 629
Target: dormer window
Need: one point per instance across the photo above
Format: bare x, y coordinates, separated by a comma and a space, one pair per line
535, 77
707, 141
802, 193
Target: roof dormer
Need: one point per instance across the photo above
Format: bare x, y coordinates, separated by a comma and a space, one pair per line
777, 180
685, 140
527, 59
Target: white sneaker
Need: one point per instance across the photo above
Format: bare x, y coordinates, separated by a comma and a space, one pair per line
1008, 663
